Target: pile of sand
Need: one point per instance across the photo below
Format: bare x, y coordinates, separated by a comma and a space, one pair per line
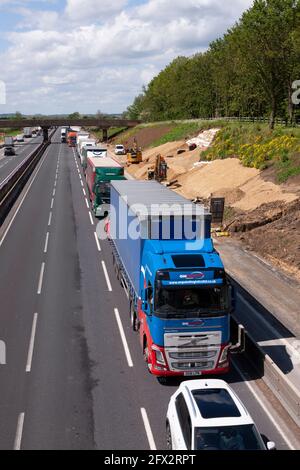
243, 188
177, 164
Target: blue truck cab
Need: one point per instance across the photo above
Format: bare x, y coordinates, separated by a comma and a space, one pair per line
180, 298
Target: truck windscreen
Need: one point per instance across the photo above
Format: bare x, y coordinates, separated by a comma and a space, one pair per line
192, 302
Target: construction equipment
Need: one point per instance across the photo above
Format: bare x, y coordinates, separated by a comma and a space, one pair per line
134, 155
158, 172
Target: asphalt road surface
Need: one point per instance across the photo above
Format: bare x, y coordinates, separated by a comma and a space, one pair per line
75, 376
9, 164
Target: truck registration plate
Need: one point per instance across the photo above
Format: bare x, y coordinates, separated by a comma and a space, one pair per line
192, 374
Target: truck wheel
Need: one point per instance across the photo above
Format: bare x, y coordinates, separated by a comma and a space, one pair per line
133, 318
146, 357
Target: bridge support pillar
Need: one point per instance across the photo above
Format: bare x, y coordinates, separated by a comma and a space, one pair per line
105, 135
45, 134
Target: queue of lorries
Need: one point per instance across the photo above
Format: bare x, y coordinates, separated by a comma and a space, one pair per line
180, 299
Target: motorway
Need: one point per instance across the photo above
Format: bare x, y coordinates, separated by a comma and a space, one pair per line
75, 376
8, 164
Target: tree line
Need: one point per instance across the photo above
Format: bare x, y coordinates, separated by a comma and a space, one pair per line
250, 71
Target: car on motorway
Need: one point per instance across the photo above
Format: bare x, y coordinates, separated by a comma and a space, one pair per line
20, 138
208, 415
9, 152
120, 150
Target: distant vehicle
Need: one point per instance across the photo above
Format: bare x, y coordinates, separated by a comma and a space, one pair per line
71, 138
82, 135
134, 154
20, 138
120, 150
63, 135
27, 132
99, 173
92, 152
85, 143
208, 415
8, 141
9, 152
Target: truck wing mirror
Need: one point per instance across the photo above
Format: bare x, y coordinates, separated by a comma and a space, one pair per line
271, 446
240, 346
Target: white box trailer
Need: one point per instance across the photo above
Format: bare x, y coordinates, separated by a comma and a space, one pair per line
85, 143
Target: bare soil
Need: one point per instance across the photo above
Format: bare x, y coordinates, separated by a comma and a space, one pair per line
144, 137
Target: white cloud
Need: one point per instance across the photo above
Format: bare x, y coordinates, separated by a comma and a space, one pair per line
55, 62
93, 10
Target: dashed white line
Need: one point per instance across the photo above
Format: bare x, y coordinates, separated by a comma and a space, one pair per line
50, 219
19, 433
97, 242
52, 203
149, 433
23, 199
87, 203
54, 192
123, 338
31, 344
106, 276
84, 192
39, 291
46, 243
91, 219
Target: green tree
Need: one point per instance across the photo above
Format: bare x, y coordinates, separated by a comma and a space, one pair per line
75, 115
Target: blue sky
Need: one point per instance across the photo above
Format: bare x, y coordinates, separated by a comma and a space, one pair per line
85, 55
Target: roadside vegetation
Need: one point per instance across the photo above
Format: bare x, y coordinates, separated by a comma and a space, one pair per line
249, 72
258, 147
114, 131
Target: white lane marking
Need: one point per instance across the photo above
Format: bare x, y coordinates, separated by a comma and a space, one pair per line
50, 219
31, 344
84, 192
97, 241
259, 400
39, 291
87, 204
82, 184
52, 202
54, 192
23, 199
19, 433
91, 219
123, 338
46, 243
55, 183
106, 276
148, 429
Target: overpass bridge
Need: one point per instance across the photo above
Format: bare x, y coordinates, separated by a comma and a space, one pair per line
45, 124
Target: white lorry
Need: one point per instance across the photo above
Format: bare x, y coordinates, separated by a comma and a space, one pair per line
27, 132
63, 135
85, 143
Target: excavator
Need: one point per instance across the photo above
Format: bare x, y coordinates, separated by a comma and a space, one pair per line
158, 172
134, 155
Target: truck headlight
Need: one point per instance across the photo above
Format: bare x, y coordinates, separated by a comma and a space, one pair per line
159, 357
224, 354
